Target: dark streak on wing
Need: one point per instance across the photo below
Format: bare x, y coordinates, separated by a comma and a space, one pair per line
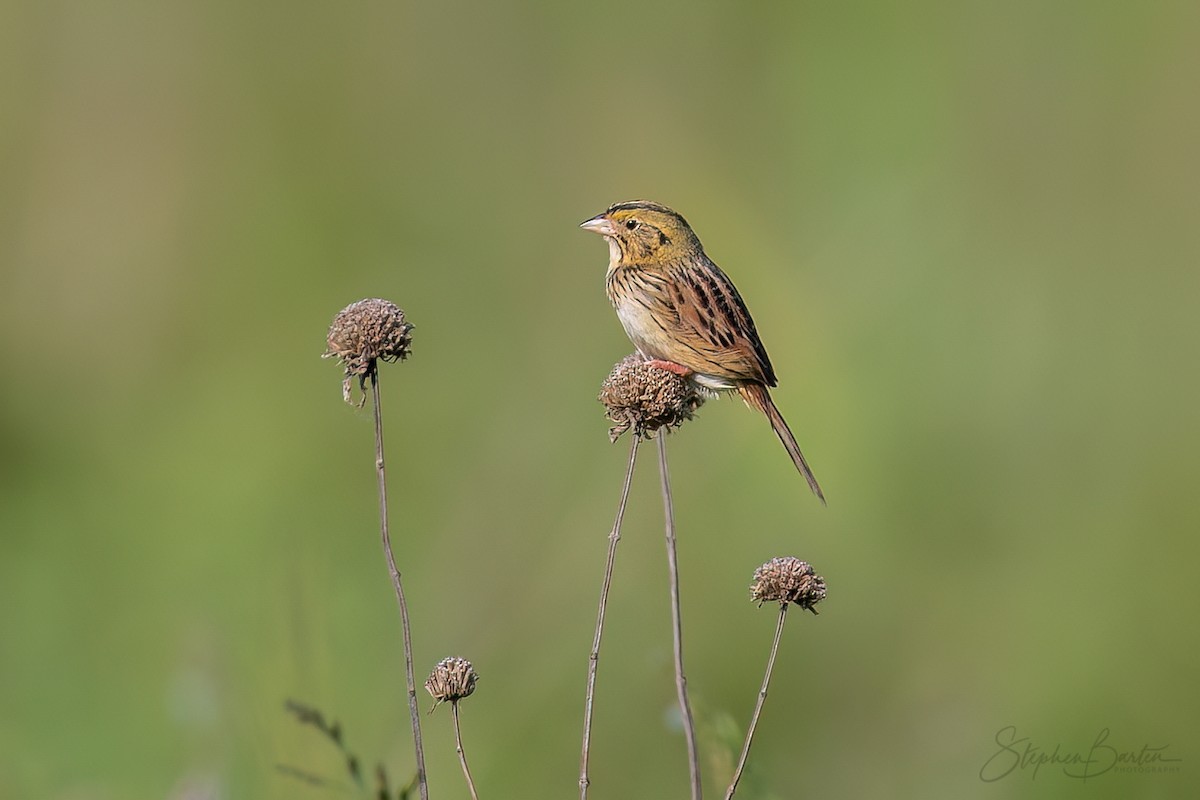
708, 281
702, 320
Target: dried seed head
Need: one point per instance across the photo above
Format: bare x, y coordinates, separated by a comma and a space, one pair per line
643, 398
452, 679
788, 580
363, 333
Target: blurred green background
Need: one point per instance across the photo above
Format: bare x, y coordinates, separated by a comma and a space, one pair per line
968, 233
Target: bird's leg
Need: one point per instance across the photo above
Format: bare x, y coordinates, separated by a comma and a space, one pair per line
671, 366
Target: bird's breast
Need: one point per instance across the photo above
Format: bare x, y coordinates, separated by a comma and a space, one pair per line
653, 328
642, 327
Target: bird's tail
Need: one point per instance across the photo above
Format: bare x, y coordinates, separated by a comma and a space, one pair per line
757, 396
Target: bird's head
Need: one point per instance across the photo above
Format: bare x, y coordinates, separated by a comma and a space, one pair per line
642, 232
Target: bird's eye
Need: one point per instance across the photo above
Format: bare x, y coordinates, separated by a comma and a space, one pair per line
631, 224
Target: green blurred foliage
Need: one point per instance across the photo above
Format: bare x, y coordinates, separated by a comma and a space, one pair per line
968, 232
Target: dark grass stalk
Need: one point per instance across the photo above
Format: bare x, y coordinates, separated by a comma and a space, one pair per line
758, 705
685, 708
594, 658
308, 715
414, 712
462, 754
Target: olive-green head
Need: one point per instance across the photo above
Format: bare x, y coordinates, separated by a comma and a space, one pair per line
642, 232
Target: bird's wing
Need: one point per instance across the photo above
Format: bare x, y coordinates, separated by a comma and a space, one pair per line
710, 310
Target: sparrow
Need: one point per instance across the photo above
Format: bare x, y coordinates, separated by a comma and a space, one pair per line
683, 314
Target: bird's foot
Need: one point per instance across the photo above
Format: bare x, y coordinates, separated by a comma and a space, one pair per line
671, 366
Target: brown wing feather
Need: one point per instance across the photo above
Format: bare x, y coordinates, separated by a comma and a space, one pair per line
712, 314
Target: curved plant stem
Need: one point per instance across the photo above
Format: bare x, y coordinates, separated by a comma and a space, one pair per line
462, 754
762, 696
594, 658
685, 708
414, 712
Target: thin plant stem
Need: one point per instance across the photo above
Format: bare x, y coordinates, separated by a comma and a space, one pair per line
685, 708
762, 696
414, 712
308, 715
594, 658
462, 754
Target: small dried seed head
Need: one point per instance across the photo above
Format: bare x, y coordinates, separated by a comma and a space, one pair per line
452, 679
788, 580
363, 333
643, 398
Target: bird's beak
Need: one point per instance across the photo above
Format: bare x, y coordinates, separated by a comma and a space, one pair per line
599, 224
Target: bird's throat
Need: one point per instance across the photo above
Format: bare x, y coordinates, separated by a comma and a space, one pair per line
614, 253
